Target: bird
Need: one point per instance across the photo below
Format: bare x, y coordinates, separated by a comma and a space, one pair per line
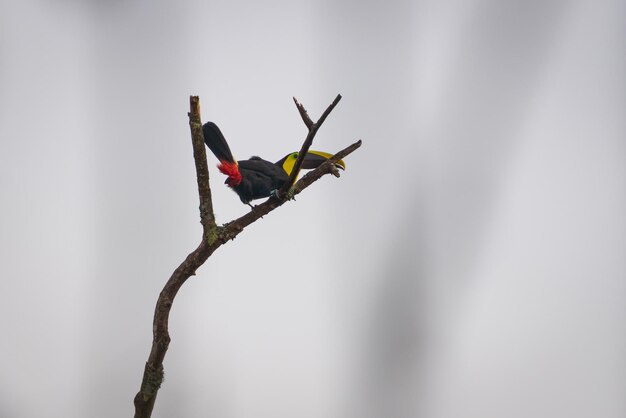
256, 178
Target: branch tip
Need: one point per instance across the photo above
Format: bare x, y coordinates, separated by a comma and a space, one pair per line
303, 114
313, 127
207, 218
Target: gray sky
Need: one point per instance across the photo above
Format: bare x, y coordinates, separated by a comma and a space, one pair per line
468, 263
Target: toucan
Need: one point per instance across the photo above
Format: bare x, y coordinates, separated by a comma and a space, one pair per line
257, 178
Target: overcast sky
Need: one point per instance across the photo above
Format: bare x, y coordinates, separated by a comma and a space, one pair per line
469, 263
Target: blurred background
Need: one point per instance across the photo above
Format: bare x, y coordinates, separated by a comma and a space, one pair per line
468, 263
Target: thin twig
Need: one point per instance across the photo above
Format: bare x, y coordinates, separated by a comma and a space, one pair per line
303, 114
327, 167
284, 190
328, 110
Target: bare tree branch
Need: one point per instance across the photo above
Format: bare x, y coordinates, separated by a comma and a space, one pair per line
153, 372
207, 218
313, 127
213, 237
303, 114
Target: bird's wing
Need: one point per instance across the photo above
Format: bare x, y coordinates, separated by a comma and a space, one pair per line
263, 167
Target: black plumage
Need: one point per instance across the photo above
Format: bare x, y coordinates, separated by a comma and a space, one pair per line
256, 178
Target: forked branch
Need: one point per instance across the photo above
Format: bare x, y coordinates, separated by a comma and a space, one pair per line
214, 236
313, 127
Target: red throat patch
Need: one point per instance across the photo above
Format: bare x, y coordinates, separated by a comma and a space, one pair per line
232, 171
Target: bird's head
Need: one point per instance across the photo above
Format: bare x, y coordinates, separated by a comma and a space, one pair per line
312, 160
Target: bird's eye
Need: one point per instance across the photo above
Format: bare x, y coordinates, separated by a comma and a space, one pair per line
294, 155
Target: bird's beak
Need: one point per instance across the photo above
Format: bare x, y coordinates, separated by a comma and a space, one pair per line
314, 159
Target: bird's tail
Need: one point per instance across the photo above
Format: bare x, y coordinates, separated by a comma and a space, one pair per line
214, 139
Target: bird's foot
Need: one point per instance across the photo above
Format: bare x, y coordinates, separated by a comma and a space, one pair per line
289, 196
253, 207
